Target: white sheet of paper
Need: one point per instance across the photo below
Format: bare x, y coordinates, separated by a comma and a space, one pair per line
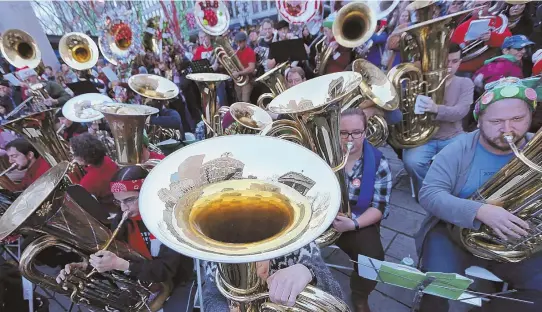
12, 79
476, 29
110, 74
417, 109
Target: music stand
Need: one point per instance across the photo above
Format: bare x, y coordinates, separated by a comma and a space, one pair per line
82, 87
200, 66
450, 286
288, 50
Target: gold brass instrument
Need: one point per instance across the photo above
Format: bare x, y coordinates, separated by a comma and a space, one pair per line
20, 49
354, 24
271, 209
275, 81
78, 51
207, 84
127, 123
47, 208
431, 39
156, 91
517, 187
247, 118
229, 60
323, 53
39, 130
316, 111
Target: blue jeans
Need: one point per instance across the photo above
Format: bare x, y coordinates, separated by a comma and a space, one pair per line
442, 254
221, 94
417, 160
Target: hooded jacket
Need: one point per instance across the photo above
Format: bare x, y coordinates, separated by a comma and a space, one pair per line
499, 67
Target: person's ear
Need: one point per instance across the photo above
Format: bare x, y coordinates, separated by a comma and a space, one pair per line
30, 155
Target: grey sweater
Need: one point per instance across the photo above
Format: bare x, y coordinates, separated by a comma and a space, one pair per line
444, 180
309, 256
458, 98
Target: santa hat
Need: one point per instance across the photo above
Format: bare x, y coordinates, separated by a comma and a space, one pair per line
537, 61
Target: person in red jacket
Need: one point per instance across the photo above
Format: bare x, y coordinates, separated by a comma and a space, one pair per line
493, 39
89, 151
23, 154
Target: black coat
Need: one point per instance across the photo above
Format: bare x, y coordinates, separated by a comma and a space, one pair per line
168, 265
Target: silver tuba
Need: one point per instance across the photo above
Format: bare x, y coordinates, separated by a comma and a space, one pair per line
272, 208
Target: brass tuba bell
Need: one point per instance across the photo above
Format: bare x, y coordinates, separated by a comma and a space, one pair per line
20, 49
78, 51
274, 80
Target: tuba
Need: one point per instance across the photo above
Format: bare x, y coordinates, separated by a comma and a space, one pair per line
354, 24
316, 111
228, 58
127, 124
272, 209
274, 80
377, 90
428, 43
207, 83
117, 41
78, 51
323, 53
517, 187
39, 130
47, 207
156, 91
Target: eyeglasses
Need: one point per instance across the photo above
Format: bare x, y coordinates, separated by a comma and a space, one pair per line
356, 134
126, 201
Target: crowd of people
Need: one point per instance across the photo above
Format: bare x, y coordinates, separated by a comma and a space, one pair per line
486, 96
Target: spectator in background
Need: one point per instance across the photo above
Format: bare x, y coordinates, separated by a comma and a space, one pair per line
506, 65
68, 73
48, 74
6, 99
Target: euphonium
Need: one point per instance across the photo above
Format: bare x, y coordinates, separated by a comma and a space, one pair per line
430, 41
207, 84
272, 208
228, 58
127, 122
517, 187
274, 80
78, 51
316, 111
50, 207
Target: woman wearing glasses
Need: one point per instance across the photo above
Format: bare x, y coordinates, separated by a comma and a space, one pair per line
162, 264
369, 181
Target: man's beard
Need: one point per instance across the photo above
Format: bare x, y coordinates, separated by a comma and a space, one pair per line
504, 148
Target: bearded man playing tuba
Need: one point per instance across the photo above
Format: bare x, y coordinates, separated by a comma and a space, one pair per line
457, 173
